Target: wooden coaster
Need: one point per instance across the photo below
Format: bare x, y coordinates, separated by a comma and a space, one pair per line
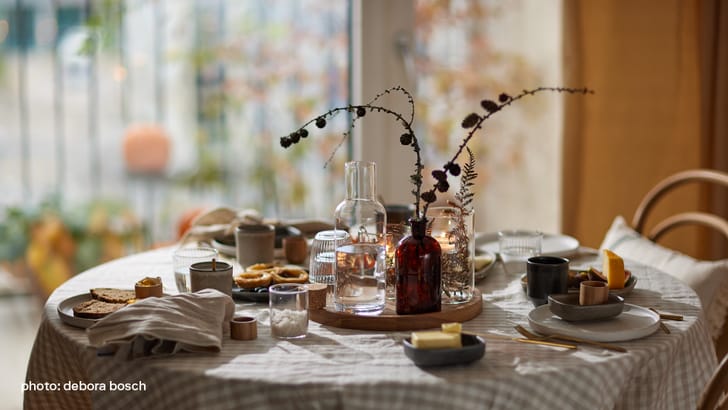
316, 296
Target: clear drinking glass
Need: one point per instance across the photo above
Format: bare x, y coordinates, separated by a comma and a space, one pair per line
288, 304
183, 258
516, 246
322, 260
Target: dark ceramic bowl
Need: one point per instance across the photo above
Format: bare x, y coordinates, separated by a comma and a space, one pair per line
566, 306
473, 349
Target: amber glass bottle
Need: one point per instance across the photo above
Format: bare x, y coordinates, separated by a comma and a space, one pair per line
417, 266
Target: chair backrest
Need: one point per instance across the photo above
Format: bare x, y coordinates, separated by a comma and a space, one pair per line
715, 395
685, 218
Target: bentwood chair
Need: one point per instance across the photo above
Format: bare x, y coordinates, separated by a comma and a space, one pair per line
704, 176
685, 218
715, 395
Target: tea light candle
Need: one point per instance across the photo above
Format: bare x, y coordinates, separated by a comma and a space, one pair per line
445, 245
213, 275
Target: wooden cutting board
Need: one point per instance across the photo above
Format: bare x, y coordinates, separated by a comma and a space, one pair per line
389, 320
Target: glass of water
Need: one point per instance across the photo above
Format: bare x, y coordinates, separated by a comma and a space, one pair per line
183, 258
322, 267
516, 246
360, 282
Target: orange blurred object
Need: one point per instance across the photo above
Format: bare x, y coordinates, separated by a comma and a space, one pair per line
146, 148
184, 222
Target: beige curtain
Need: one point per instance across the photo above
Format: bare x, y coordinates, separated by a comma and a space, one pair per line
659, 71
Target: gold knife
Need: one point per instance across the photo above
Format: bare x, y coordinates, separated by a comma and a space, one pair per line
522, 330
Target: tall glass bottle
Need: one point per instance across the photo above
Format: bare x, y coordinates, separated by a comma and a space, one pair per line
417, 266
360, 264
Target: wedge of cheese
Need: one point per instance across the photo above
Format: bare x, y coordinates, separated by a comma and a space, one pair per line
613, 269
452, 327
436, 340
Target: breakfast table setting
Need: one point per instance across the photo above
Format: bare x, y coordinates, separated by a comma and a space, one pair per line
366, 313
348, 368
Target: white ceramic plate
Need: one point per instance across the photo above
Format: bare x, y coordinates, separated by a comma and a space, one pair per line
633, 323
65, 311
556, 245
225, 249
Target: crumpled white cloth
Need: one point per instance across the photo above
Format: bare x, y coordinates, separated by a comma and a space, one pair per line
193, 322
219, 222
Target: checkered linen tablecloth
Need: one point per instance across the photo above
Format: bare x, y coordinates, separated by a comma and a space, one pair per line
351, 369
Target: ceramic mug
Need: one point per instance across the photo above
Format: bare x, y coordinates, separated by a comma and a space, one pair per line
254, 244
546, 275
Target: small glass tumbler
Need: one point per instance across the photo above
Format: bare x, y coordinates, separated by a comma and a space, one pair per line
183, 258
288, 310
516, 246
322, 260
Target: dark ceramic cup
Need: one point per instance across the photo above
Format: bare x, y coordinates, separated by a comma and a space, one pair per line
546, 275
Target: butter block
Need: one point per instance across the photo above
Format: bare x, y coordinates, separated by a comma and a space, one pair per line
453, 327
436, 340
613, 269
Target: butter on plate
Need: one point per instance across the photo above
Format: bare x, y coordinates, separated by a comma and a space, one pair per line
436, 340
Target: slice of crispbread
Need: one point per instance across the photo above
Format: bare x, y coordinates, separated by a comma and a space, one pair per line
95, 309
113, 295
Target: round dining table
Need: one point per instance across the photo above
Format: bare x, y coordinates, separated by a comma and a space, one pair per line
337, 368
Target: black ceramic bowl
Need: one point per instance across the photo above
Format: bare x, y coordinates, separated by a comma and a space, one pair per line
473, 349
566, 306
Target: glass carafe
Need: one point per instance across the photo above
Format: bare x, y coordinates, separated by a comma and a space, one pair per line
360, 264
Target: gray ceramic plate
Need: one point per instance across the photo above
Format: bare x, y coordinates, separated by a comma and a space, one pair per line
566, 306
257, 295
473, 349
65, 311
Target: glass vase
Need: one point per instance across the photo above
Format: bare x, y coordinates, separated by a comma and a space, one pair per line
453, 228
360, 264
417, 265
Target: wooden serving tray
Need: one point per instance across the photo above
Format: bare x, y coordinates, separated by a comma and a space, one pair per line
389, 320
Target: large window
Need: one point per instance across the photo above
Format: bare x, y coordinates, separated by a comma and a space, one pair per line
221, 80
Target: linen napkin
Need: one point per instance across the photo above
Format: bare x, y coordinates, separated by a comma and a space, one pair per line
193, 322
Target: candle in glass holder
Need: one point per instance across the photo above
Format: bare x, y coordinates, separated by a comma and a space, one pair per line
445, 245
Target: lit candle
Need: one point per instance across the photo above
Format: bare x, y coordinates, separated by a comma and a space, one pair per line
445, 245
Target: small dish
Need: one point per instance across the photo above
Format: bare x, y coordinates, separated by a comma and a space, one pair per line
473, 349
257, 295
566, 306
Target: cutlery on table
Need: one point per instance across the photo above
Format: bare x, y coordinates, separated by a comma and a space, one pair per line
520, 340
532, 336
667, 316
